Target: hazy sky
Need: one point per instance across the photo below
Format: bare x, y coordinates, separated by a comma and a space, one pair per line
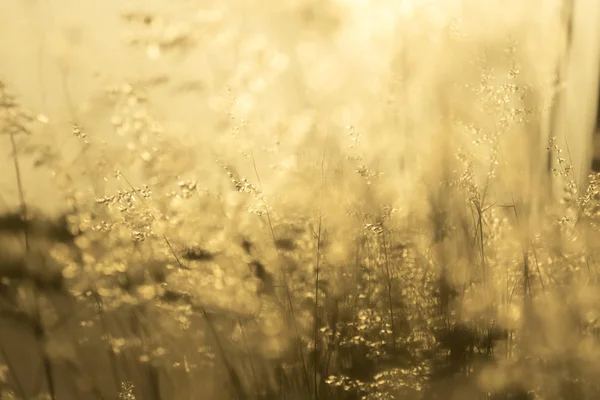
59, 55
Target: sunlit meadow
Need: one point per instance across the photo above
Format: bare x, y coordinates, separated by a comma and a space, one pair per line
300, 199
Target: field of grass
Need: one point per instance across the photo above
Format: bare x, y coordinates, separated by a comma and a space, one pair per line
355, 206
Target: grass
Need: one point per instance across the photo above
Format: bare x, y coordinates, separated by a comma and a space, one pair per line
329, 245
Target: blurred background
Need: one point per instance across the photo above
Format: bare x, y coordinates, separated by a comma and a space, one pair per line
410, 130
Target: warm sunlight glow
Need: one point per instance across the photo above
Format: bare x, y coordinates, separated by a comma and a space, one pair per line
299, 199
